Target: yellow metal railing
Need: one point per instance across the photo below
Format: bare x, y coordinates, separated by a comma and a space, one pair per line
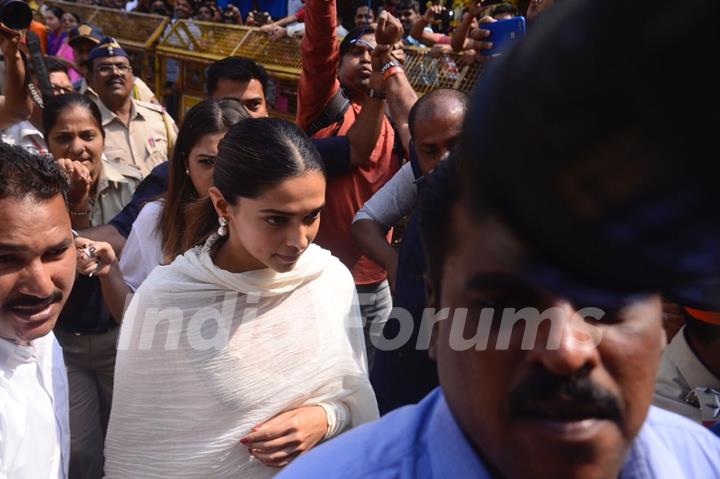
190, 46
137, 31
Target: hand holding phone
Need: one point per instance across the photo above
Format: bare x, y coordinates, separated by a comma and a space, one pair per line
502, 33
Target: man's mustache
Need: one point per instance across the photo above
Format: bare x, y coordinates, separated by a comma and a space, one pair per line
547, 395
27, 301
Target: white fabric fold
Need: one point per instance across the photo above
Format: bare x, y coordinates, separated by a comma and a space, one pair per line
204, 355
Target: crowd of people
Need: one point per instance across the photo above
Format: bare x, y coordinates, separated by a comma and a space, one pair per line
439, 26
520, 283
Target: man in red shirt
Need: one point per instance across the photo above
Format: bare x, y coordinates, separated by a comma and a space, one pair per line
333, 75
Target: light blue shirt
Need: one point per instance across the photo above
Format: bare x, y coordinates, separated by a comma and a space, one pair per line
424, 441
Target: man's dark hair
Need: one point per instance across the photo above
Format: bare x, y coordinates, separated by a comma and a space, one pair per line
440, 193
407, 5
363, 3
237, 69
24, 174
354, 34
443, 95
561, 177
55, 64
504, 7
52, 65
700, 330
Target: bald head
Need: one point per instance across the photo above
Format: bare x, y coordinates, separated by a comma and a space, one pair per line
435, 123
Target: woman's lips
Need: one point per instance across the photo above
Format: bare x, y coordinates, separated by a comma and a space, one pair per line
287, 259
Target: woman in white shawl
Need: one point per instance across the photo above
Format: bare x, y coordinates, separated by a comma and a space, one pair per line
247, 350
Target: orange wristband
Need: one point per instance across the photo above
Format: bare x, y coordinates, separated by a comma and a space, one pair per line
392, 71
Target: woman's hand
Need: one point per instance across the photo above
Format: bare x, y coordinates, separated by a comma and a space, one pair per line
80, 183
281, 439
94, 258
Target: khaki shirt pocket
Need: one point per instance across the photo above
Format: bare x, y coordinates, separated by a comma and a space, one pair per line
118, 156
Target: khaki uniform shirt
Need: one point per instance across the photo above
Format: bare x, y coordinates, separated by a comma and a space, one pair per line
145, 142
680, 378
116, 185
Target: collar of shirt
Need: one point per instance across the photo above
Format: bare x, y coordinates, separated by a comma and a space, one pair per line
454, 457
690, 367
84, 89
650, 455
108, 116
52, 377
13, 354
24, 134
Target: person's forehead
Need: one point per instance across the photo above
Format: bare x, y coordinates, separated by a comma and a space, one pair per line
240, 90
112, 60
207, 144
363, 40
482, 244
297, 195
60, 79
426, 122
34, 223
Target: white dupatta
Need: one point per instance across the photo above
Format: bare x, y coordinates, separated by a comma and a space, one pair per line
204, 355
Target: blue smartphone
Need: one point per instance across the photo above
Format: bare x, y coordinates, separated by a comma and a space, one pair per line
503, 33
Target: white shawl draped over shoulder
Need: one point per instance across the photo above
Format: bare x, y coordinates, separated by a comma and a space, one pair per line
204, 355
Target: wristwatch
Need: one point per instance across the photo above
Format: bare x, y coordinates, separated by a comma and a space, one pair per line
378, 94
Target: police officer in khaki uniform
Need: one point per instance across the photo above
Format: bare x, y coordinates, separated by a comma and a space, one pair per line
137, 133
82, 39
688, 380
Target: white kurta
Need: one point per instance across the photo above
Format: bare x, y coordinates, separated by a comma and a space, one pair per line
34, 411
205, 355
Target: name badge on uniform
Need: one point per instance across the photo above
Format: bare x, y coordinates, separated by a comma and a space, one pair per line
708, 401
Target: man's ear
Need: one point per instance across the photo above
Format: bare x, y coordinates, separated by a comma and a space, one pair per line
222, 208
431, 301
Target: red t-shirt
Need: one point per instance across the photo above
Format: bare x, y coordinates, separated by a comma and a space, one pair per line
347, 193
300, 14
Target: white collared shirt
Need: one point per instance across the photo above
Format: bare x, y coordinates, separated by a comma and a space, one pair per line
681, 372
24, 134
34, 410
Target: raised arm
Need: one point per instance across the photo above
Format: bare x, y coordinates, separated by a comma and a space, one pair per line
364, 133
400, 94
15, 105
318, 79
382, 211
418, 29
459, 36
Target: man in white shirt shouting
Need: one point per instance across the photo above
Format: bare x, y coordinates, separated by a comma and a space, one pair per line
37, 270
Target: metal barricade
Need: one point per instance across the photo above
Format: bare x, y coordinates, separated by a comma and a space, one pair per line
188, 46
136, 32
191, 45
166, 53
427, 72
